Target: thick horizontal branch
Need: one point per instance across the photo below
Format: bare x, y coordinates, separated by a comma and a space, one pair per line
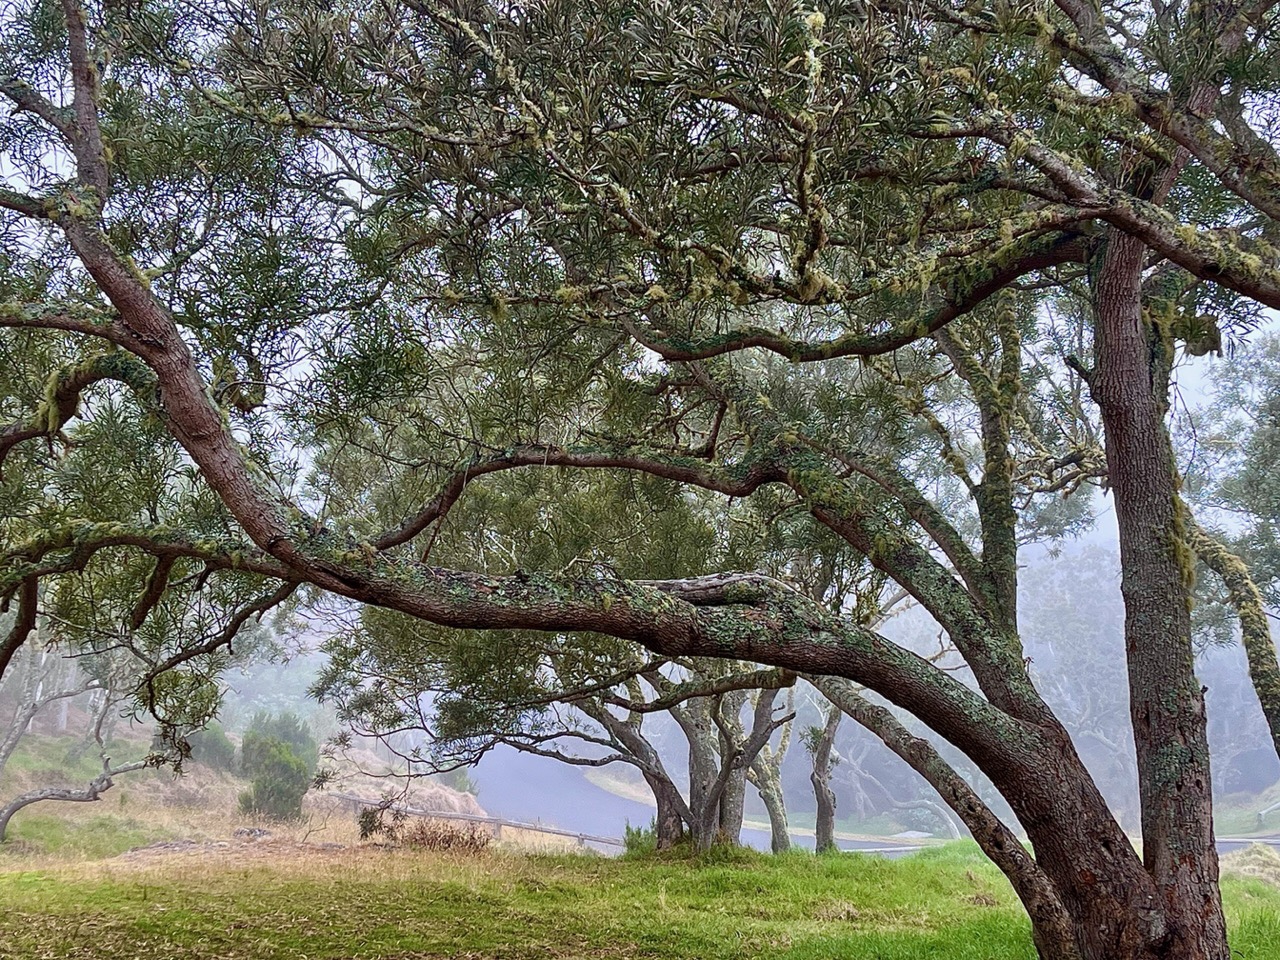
980, 281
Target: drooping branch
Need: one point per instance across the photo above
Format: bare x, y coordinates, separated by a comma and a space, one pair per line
24, 622
1255, 630
61, 401
89, 793
687, 469
956, 300
772, 679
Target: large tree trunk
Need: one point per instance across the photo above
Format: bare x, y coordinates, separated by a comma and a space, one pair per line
695, 720
732, 809
669, 822
733, 799
1166, 702
1086, 891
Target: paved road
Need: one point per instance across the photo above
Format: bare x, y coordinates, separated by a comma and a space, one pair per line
517, 786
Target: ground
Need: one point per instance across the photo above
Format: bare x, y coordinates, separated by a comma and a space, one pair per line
281, 899
165, 869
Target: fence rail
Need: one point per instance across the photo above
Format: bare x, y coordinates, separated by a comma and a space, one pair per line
496, 822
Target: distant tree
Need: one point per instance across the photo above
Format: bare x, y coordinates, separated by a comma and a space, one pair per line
1236, 484
212, 747
278, 755
50, 672
820, 741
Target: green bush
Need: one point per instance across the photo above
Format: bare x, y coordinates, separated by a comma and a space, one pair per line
280, 777
640, 841
290, 729
213, 748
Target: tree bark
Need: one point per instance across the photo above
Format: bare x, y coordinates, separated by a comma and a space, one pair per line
824, 829
775, 805
91, 792
1166, 702
1255, 632
669, 822
765, 771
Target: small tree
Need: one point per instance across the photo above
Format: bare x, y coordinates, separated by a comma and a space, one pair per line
279, 755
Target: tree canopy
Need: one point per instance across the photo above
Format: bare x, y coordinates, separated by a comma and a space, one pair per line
306, 300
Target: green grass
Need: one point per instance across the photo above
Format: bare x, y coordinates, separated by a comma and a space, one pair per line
32, 833
946, 904
53, 760
1237, 816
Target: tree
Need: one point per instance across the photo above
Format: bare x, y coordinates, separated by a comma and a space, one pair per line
49, 672
819, 741
776, 254
279, 778
1234, 483
448, 700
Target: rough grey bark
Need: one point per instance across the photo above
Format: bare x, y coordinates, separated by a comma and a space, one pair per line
765, 772
1166, 702
821, 750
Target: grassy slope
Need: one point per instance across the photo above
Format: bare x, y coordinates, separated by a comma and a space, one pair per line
946, 903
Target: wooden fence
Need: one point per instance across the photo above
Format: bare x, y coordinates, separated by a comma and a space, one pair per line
495, 823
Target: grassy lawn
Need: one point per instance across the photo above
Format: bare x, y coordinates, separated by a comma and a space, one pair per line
363, 903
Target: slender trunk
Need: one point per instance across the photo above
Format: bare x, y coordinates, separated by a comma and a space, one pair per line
1166, 701
776, 807
22, 717
672, 810
765, 772
822, 745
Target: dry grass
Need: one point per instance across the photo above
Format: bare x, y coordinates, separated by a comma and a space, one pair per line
1258, 861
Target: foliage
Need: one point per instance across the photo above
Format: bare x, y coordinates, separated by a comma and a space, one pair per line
288, 728
280, 777
459, 779
640, 841
212, 747
550, 320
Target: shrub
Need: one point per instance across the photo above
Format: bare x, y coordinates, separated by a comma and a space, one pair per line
445, 836
640, 841
291, 730
280, 777
438, 836
213, 748
459, 779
